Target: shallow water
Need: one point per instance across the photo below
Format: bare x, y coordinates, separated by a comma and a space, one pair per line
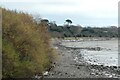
107, 56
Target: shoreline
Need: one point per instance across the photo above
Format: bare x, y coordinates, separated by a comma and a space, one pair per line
71, 65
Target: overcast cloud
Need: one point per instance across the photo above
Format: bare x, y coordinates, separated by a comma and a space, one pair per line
82, 12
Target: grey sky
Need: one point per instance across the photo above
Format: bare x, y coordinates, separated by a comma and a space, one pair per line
82, 12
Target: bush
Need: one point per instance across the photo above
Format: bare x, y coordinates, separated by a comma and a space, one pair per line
26, 47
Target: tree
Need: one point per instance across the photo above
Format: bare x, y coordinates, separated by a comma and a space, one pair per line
68, 21
68, 26
45, 21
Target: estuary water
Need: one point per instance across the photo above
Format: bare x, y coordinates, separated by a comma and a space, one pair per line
98, 52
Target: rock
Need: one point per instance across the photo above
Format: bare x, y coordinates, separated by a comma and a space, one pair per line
99, 73
56, 47
107, 74
66, 73
113, 74
78, 67
92, 73
110, 76
93, 70
45, 73
114, 66
38, 77
102, 65
94, 61
98, 48
96, 73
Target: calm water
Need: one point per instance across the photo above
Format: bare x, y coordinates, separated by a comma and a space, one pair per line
107, 56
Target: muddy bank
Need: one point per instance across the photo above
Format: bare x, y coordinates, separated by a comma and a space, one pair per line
71, 65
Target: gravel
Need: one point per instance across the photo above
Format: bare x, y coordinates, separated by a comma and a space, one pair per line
70, 64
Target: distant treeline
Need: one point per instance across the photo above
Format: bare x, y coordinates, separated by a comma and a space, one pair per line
68, 30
